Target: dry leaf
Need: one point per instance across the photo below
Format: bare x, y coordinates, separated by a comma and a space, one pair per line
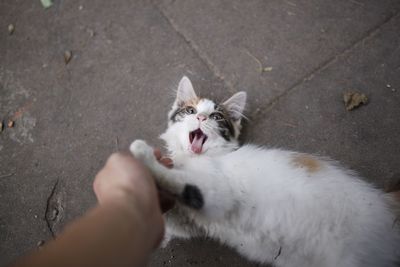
10, 124
67, 56
354, 99
46, 3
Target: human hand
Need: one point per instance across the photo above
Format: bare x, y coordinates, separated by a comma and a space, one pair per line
125, 183
122, 230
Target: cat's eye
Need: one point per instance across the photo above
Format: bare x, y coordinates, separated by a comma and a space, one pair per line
216, 116
190, 110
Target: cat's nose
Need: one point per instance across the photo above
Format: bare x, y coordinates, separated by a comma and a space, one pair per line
201, 117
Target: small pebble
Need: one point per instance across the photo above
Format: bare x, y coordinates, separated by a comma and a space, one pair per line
40, 244
11, 28
80, 7
91, 32
10, 124
67, 56
388, 85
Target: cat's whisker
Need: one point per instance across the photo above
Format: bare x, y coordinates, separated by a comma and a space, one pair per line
210, 128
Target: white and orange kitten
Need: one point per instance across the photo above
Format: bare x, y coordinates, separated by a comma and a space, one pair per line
273, 206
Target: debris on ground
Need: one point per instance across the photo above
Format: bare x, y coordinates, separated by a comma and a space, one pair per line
6, 175
260, 68
10, 123
40, 244
91, 32
11, 29
46, 3
1, 126
354, 99
390, 87
67, 56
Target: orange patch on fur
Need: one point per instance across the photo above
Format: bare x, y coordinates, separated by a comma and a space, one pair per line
193, 102
307, 161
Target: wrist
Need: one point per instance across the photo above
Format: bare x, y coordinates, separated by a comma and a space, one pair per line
144, 219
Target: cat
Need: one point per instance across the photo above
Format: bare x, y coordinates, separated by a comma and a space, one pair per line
273, 206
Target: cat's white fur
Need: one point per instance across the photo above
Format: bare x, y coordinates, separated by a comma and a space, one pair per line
269, 205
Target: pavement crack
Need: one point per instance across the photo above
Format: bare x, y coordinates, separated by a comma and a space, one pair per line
7, 175
324, 65
54, 208
278, 254
196, 49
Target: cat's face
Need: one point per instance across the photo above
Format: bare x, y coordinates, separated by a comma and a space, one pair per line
201, 126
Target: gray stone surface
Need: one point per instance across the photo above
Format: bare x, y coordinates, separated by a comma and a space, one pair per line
312, 116
294, 38
69, 118
127, 59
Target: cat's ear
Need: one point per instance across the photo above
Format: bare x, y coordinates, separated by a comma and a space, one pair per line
185, 91
235, 105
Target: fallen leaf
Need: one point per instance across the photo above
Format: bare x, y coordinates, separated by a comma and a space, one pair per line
46, 3
67, 56
354, 99
10, 124
11, 29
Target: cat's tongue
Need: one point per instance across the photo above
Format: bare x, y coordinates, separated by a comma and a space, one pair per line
197, 143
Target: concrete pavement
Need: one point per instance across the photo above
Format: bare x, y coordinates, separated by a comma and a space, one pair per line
294, 58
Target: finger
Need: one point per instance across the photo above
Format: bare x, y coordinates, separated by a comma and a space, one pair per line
167, 162
157, 153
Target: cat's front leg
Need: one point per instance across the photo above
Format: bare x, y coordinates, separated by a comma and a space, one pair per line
143, 152
178, 224
174, 181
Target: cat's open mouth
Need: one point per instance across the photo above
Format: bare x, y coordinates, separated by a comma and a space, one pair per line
197, 139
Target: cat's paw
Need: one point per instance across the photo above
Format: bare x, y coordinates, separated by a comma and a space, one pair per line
142, 151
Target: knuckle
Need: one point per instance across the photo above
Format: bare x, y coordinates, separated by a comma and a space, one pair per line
116, 158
